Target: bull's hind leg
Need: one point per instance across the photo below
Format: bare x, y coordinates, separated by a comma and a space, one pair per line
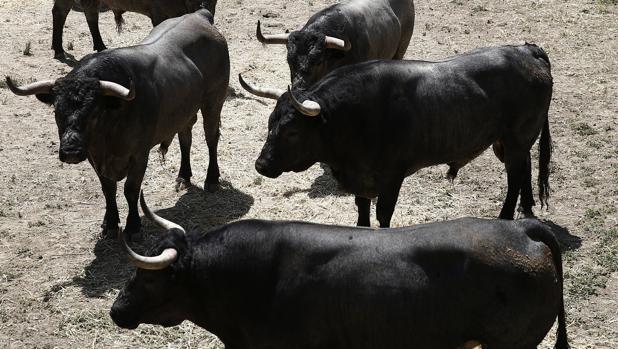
184, 175
211, 112
526, 200
387, 199
515, 163
91, 10
406, 34
60, 11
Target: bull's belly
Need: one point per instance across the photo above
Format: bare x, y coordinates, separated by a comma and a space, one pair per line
357, 182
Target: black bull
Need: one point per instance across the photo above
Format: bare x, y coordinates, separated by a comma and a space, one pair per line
377, 122
157, 10
281, 285
345, 33
114, 106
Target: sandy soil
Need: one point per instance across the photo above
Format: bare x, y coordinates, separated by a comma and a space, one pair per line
58, 277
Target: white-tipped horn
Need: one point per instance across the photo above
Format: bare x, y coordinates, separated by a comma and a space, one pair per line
308, 107
270, 39
160, 221
337, 44
272, 93
34, 88
162, 261
109, 88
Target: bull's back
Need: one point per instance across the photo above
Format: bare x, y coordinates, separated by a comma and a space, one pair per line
370, 287
185, 58
438, 112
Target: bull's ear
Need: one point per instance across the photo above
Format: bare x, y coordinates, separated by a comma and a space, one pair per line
47, 98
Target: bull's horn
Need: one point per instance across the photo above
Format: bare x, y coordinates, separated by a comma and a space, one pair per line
167, 257
337, 44
160, 221
272, 93
308, 107
113, 89
162, 261
270, 39
34, 88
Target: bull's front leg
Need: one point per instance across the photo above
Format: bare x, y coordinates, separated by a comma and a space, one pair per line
110, 220
131, 192
386, 201
363, 205
184, 174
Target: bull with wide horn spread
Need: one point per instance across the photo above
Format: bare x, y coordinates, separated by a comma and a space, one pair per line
255, 277
106, 113
345, 33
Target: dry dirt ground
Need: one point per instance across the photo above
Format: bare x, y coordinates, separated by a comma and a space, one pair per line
58, 277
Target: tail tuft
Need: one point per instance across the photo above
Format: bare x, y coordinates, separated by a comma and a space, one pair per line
545, 150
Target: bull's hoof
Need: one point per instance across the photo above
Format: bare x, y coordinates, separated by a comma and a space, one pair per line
182, 184
109, 231
525, 213
100, 48
451, 174
211, 187
59, 55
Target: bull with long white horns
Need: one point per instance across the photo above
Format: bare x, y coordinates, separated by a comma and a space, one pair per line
345, 33
377, 122
114, 106
281, 285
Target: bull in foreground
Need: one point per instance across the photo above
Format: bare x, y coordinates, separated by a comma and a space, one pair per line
377, 122
348, 32
280, 285
114, 106
157, 10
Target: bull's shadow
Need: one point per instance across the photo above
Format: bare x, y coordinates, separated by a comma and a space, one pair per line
196, 210
322, 186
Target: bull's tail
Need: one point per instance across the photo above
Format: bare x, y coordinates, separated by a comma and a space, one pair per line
545, 150
545, 235
118, 19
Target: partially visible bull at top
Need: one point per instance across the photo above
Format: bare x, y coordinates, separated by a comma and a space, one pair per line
114, 106
377, 122
349, 32
157, 10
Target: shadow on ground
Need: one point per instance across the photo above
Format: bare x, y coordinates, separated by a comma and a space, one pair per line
322, 186
567, 241
196, 210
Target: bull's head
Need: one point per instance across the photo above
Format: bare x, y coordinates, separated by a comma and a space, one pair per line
310, 54
77, 103
157, 293
294, 133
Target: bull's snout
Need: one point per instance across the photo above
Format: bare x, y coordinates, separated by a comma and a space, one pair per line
72, 156
265, 168
117, 316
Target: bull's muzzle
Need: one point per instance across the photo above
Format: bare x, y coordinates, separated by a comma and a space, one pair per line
120, 316
265, 168
72, 156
